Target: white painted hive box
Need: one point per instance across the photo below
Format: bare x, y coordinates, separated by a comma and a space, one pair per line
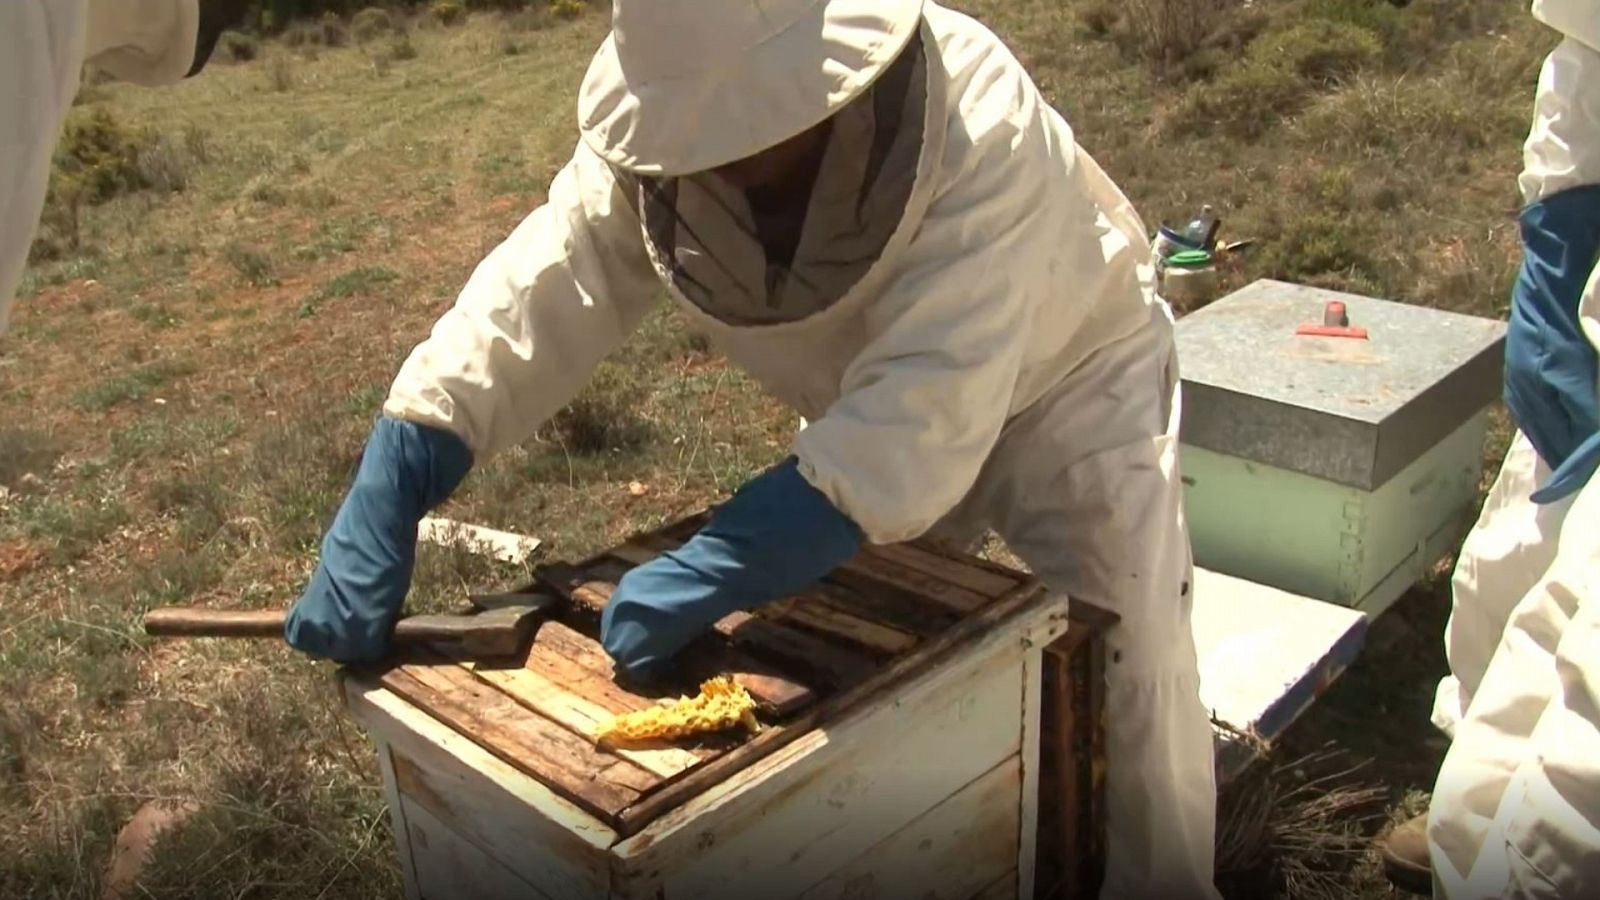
930, 730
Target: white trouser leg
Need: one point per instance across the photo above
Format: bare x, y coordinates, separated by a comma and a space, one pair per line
1515, 809
1084, 487
1501, 559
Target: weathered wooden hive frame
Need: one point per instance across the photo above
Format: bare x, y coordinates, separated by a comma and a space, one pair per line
864, 683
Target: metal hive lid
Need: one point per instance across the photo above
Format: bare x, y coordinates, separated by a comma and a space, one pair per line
1346, 410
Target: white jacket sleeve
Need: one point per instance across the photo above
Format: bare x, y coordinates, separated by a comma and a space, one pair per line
147, 42
1562, 149
922, 405
43, 46
41, 52
535, 318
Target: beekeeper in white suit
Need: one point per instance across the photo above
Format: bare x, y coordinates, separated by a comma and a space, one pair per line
869, 207
43, 47
1516, 807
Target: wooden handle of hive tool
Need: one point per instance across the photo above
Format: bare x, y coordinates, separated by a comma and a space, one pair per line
177, 621
181, 621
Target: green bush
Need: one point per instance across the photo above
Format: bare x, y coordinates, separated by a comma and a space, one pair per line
1166, 32
1322, 53
1379, 18
99, 156
566, 9
327, 31
1280, 71
401, 49
1245, 101
447, 12
1099, 17
1313, 243
237, 46
372, 23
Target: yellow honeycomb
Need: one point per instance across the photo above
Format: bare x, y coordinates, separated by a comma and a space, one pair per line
722, 703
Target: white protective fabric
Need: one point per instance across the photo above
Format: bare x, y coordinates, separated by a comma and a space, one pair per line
1005, 361
1516, 807
1513, 540
43, 47
669, 91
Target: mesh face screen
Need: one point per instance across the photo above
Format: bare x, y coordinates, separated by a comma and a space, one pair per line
746, 268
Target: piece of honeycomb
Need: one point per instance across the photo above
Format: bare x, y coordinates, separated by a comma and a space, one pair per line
721, 704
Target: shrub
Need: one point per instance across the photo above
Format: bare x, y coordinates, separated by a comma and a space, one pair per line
1321, 52
99, 156
447, 12
1099, 17
280, 75
332, 31
1245, 101
372, 23
251, 263
566, 9
401, 48
96, 159
328, 31
1165, 32
1279, 72
238, 47
1312, 244
165, 164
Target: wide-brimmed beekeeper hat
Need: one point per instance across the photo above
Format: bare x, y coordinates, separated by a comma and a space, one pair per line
681, 87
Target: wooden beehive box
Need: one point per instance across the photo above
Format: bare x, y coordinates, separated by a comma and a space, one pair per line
930, 730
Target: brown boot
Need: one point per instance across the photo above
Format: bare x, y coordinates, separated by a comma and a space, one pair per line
1405, 856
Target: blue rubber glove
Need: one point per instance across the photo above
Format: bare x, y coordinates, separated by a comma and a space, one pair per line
360, 585
1551, 368
776, 535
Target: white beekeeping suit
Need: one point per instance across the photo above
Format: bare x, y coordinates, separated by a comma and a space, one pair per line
1516, 809
967, 322
43, 47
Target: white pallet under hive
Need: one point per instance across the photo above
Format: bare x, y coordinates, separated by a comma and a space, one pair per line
1265, 657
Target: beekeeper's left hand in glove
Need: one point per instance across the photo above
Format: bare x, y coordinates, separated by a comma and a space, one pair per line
775, 536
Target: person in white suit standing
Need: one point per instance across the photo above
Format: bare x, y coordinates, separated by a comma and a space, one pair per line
1516, 805
44, 45
869, 206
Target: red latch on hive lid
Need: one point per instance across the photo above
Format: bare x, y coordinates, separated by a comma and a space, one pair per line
1335, 323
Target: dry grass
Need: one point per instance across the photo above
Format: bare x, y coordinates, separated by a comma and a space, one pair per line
1297, 828
190, 386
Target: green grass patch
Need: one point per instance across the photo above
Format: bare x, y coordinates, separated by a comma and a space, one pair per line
69, 528
131, 386
358, 281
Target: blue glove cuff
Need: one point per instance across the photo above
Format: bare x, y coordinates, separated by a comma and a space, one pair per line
1551, 368
776, 535
364, 574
